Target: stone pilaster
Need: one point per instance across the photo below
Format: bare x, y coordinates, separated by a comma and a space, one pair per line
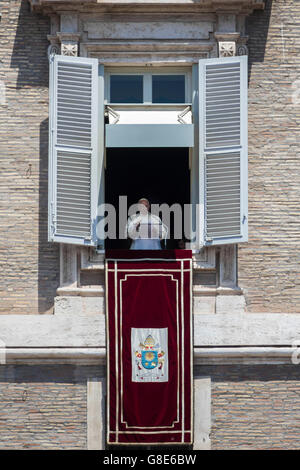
64, 37
54, 47
69, 35
68, 265
227, 34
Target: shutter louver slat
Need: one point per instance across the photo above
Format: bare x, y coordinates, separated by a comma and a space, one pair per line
75, 220
78, 88
223, 149
218, 88
223, 183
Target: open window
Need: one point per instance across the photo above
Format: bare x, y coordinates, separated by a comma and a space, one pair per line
161, 85
160, 174
218, 136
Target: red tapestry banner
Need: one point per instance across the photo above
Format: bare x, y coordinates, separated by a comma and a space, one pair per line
149, 347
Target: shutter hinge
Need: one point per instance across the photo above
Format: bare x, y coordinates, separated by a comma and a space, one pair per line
94, 227
93, 231
53, 219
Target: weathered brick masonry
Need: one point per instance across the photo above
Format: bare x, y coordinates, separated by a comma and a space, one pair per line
254, 407
44, 407
269, 265
29, 264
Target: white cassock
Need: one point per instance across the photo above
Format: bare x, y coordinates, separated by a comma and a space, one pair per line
146, 231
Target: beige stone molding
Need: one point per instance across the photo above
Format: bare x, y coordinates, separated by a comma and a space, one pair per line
162, 6
214, 291
100, 291
202, 355
143, 53
81, 291
243, 355
55, 355
68, 37
75, 330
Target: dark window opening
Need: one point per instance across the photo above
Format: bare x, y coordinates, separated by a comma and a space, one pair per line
158, 174
126, 89
168, 89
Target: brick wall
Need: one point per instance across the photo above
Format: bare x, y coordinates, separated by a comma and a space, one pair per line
254, 407
29, 264
269, 265
44, 407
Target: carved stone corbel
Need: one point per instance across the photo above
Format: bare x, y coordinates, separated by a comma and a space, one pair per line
227, 43
69, 43
227, 48
69, 48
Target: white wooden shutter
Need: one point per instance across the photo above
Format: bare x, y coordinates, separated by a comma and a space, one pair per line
223, 150
73, 149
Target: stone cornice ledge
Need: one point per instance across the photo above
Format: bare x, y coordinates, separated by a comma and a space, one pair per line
100, 291
202, 356
86, 6
214, 291
81, 291
219, 330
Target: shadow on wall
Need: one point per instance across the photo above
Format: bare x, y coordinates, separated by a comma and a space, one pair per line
29, 57
257, 28
48, 255
29, 54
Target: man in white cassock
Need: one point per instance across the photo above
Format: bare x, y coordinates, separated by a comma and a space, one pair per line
146, 229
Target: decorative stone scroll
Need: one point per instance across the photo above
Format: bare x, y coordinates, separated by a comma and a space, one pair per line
242, 49
53, 49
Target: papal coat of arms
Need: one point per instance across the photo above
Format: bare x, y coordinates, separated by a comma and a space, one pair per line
149, 354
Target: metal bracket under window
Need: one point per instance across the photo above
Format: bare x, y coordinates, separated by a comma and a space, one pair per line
113, 113
182, 114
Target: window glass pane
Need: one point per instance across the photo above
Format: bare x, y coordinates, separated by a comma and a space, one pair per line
168, 89
126, 89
